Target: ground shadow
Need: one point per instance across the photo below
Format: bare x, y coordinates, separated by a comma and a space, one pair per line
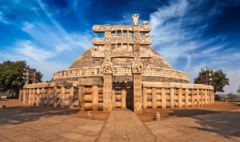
226, 124
189, 112
21, 114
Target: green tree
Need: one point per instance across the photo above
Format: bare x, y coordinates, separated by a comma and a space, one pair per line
219, 80
50, 80
11, 76
197, 80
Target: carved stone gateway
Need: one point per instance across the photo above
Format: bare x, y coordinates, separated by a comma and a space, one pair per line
121, 70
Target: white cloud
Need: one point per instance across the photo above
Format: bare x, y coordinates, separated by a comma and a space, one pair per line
27, 26
31, 51
2, 18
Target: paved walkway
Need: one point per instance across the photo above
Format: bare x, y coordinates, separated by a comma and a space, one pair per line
25, 127
123, 125
215, 127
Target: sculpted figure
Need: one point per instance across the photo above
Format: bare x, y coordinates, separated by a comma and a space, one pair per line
145, 22
95, 48
147, 35
135, 19
137, 65
107, 66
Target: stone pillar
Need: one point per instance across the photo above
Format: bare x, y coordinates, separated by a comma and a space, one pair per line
202, 97
144, 97
49, 92
154, 98
54, 96
205, 93
24, 96
107, 92
94, 98
171, 97
186, 98
137, 92
180, 97
38, 97
30, 96
163, 94
198, 98
33, 96
62, 96
193, 100
113, 99
43, 95
123, 97
213, 96
71, 94
81, 93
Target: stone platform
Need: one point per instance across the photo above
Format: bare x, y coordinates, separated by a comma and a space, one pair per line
121, 125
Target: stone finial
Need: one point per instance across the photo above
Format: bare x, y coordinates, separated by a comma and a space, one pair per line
90, 115
145, 22
135, 19
4, 107
157, 116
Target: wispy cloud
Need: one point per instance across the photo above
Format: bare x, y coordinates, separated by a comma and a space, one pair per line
177, 34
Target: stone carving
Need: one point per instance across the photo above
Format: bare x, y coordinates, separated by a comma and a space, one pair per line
97, 59
135, 19
107, 67
113, 35
145, 22
137, 65
95, 48
147, 35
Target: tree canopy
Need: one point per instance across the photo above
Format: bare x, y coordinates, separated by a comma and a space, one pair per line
219, 80
197, 80
238, 90
11, 75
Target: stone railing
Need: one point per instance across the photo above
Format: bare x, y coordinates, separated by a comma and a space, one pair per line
163, 72
118, 70
78, 72
162, 95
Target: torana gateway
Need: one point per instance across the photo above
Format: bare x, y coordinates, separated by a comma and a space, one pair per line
121, 70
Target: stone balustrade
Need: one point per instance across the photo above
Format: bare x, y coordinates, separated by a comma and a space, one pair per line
78, 72
119, 70
90, 97
162, 95
163, 72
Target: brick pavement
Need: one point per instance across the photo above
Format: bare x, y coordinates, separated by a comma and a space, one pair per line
23, 127
215, 127
124, 125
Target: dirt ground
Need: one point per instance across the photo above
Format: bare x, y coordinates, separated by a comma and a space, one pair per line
168, 113
146, 116
75, 112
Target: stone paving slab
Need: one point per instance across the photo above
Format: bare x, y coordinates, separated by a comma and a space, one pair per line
23, 127
124, 125
216, 127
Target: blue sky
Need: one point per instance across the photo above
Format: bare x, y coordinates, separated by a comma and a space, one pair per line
189, 34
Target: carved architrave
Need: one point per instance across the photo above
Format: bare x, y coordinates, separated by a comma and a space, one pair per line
102, 28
